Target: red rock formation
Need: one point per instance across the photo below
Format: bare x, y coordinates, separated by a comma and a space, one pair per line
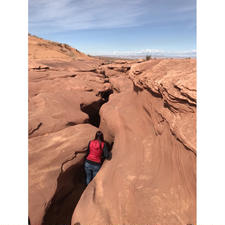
150, 117
151, 177
46, 155
43, 49
65, 94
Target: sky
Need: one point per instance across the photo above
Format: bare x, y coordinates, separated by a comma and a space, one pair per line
116, 27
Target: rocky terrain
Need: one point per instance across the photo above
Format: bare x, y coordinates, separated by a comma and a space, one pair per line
147, 112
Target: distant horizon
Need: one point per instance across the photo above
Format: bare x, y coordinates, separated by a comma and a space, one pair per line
138, 54
143, 54
132, 27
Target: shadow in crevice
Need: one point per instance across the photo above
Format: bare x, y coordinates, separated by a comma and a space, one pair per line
70, 186
93, 109
69, 124
136, 88
93, 112
39, 125
109, 147
105, 95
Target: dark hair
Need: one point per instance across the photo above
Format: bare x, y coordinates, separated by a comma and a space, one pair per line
99, 136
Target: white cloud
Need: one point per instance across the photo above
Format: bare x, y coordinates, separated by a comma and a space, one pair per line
73, 15
152, 52
62, 15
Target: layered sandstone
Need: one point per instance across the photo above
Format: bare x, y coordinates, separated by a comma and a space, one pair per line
152, 175
65, 95
146, 109
44, 49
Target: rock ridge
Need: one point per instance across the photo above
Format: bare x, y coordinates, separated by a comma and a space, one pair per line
146, 110
159, 173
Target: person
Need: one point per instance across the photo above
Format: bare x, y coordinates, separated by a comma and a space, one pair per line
96, 153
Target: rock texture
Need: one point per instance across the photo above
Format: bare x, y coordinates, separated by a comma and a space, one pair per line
146, 109
49, 188
43, 49
152, 175
65, 95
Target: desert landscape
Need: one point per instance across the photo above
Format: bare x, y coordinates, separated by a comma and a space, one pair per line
147, 112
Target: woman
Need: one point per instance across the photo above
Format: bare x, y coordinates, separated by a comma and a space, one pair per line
97, 152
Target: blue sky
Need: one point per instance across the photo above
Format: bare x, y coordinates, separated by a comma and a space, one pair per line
106, 27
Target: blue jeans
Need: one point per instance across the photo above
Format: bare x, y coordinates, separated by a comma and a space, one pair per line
91, 171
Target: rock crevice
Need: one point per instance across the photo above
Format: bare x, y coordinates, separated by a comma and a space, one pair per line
146, 109
158, 131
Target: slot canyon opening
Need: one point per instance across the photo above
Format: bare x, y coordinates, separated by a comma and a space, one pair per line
71, 182
70, 186
93, 109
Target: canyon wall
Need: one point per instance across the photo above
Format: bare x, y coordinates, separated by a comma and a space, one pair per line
146, 110
65, 95
152, 175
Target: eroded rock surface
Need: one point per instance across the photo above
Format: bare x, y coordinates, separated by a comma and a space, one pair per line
147, 109
46, 155
65, 95
151, 177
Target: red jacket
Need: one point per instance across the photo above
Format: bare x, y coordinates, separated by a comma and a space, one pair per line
95, 151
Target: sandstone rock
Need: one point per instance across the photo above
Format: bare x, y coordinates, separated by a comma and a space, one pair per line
74, 65
120, 84
149, 115
151, 177
42, 49
174, 81
43, 53
52, 193
80, 82
57, 98
64, 93
54, 111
